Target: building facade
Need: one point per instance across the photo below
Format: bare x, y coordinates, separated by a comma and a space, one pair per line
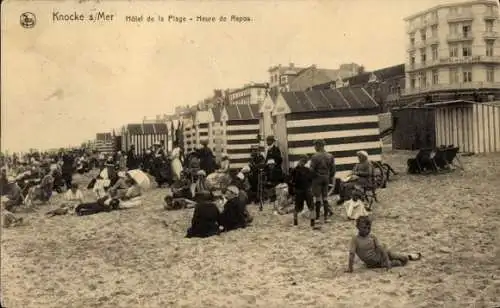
452, 50
253, 93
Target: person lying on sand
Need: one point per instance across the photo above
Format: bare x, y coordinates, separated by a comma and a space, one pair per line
367, 247
10, 220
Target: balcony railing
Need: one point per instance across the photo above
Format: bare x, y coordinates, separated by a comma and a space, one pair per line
451, 61
491, 15
459, 37
490, 35
458, 86
462, 16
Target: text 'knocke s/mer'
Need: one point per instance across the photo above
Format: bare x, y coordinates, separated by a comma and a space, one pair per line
75, 16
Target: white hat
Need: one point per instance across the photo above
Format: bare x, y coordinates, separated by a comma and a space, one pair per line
362, 153
11, 179
121, 174
233, 189
271, 161
240, 176
245, 169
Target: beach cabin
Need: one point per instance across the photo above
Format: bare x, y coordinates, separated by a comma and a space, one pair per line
346, 118
266, 120
203, 126
143, 136
104, 143
413, 128
188, 131
472, 126
216, 142
240, 128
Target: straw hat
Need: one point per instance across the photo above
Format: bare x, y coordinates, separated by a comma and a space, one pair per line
240, 176
11, 179
245, 169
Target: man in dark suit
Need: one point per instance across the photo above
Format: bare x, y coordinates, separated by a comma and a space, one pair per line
273, 151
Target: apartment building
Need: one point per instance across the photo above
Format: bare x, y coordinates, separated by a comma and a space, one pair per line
453, 48
252, 93
293, 78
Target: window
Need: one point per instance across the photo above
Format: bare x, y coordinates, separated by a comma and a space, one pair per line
466, 30
412, 39
423, 79
490, 74
453, 51
434, 53
454, 29
466, 51
284, 79
453, 76
488, 25
434, 31
490, 10
412, 59
467, 73
259, 92
423, 35
423, 56
412, 82
435, 77
489, 48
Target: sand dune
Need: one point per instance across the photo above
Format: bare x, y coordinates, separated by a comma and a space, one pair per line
139, 258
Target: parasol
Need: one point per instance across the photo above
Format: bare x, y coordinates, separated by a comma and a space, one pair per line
140, 178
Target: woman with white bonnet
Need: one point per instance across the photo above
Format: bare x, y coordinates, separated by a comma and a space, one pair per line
361, 176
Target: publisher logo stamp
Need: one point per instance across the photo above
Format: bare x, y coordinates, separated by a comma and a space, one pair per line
27, 20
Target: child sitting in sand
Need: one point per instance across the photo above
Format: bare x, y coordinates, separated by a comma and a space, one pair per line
72, 198
355, 207
367, 247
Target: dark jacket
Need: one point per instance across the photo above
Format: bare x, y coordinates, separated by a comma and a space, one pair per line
205, 221
234, 215
275, 154
207, 160
323, 164
302, 178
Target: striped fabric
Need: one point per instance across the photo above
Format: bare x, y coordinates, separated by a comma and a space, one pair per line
474, 127
241, 136
104, 143
344, 136
143, 136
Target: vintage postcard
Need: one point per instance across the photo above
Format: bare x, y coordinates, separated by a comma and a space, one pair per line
307, 153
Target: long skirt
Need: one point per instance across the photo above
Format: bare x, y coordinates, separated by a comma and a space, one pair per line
176, 169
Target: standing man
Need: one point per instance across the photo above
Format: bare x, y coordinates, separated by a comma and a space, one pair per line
132, 160
323, 169
273, 151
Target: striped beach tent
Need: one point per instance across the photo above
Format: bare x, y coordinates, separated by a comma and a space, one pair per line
240, 128
104, 143
143, 135
346, 118
216, 142
188, 132
203, 126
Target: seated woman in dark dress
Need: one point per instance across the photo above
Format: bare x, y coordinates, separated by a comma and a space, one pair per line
234, 214
205, 221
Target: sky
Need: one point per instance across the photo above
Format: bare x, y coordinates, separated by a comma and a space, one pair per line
65, 81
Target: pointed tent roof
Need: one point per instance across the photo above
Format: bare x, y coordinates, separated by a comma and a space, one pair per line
204, 116
147, 128
240, 112
267, 105
324, 100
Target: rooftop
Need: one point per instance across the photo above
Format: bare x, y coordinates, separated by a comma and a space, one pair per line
448, 5
330, 99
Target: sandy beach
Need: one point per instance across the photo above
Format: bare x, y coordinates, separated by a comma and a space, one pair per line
140, 258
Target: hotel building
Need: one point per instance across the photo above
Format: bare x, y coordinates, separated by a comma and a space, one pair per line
453, 50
